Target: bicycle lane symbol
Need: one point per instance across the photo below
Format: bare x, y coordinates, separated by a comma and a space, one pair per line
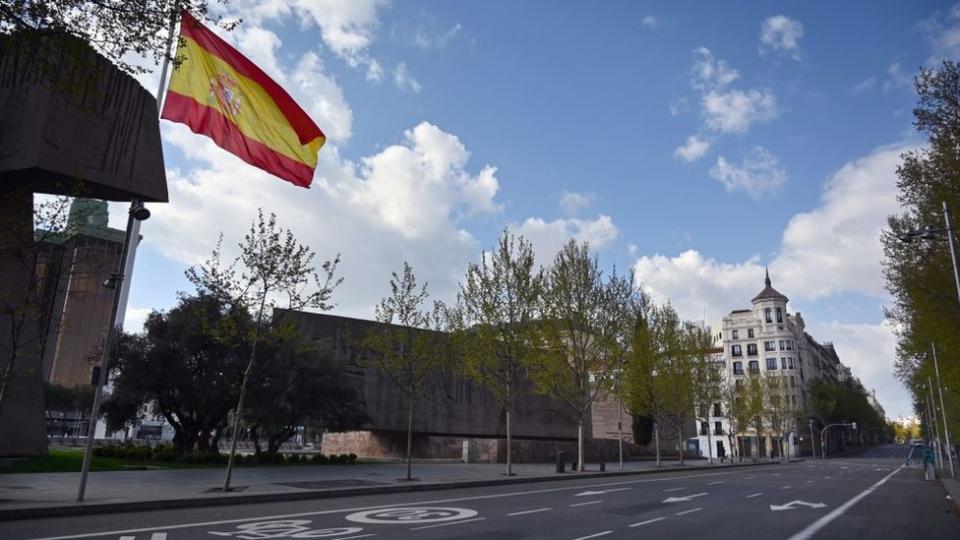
290, 528
411, 515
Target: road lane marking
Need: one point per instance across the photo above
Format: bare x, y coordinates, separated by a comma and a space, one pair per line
752, 495
358, 536
812, 529
604, 533
511, 514
697, 509
673, 489
750, 477
785, 487
374, 507
447, 524
647, 522
717, 482
810, 481
685, 498
600, 492
585, 503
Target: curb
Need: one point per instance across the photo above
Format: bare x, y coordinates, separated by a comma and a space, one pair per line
81, 509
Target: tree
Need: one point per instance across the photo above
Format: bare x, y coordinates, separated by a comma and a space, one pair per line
743, 403
118, 29
186, 367
919, 276
408, 346
493, 320
707, 376
272, 267
646, 384
582, 332
676, 372
642, 427
298, 385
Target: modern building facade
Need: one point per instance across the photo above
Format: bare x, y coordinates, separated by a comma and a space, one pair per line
768, 344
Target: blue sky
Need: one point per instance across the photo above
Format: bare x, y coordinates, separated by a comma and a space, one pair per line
693, 145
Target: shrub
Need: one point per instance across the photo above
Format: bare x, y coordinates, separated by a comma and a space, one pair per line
120, 452
352, 458
319, 459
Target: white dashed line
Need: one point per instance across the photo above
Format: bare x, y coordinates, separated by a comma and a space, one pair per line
358, 536
673, 489
585, 503
752, 495
750, 477
692, 510
785, 487
529, 511
715, 483
604, 533
647, 522
810, 481
448, 524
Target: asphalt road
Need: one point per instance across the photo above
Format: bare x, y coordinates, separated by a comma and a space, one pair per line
870, 496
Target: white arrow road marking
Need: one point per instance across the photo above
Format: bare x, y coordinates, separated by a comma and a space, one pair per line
592, 493
793, 504
683, 499
673, 489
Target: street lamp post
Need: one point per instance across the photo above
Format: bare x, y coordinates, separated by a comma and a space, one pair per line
943, 412
936, 429
823, 434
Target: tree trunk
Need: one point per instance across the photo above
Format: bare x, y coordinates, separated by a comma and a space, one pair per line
509, 449
709, 444
580, 443
656, 439
680, 441
409, 437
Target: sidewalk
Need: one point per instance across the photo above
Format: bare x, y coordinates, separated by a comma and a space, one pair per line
47, 494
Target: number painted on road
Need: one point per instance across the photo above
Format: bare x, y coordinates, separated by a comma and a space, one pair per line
406, 515
289, 528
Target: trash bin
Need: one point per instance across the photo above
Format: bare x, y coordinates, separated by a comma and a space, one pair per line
561, 461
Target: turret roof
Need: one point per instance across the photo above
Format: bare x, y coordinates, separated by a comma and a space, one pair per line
768, 292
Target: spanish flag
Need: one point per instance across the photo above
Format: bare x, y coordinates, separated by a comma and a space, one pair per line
218, 92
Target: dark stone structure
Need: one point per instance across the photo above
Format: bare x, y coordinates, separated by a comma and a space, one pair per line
70, 123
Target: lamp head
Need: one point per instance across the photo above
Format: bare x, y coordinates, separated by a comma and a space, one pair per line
927, 233
140, 213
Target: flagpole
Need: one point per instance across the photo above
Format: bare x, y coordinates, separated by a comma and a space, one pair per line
121, 281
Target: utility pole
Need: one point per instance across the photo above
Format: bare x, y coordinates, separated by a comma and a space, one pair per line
943, 410
813, 442
936, 430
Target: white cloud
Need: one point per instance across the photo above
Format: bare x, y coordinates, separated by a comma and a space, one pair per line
897, 79
548, 237
693, 283
709, 72
429, 36
403, 80
572, 203
943, 34
402, 203
695, 148
652, 21
679, 106
836, 246
782, 34
134, 318
863, 86
758, 174
734, 111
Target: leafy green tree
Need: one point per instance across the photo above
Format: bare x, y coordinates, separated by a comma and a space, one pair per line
642, 428
646, 381
409, 345
298, 385
676, 372
493, 321
919, 275
584, 322
706, 375
272, 270
186, 367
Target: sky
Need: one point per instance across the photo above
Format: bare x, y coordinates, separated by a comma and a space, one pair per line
693, 145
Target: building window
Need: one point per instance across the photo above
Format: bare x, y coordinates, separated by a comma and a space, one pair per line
790, 363
717, 428
793, 382
735, 350
754, 366
783, 363
769, 346
793, 399
771, 363
738, 368
717, 411
783, 347
766, 315
703, 428
736, 334
703, 410
779, 315
751, 349
750, 333
789, 344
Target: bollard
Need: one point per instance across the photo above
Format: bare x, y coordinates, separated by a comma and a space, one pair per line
573, 465
561, 462
603, 467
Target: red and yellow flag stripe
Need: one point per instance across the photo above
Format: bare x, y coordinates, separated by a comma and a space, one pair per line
219, 93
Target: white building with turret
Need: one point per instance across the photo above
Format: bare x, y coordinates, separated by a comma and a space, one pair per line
769, 343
